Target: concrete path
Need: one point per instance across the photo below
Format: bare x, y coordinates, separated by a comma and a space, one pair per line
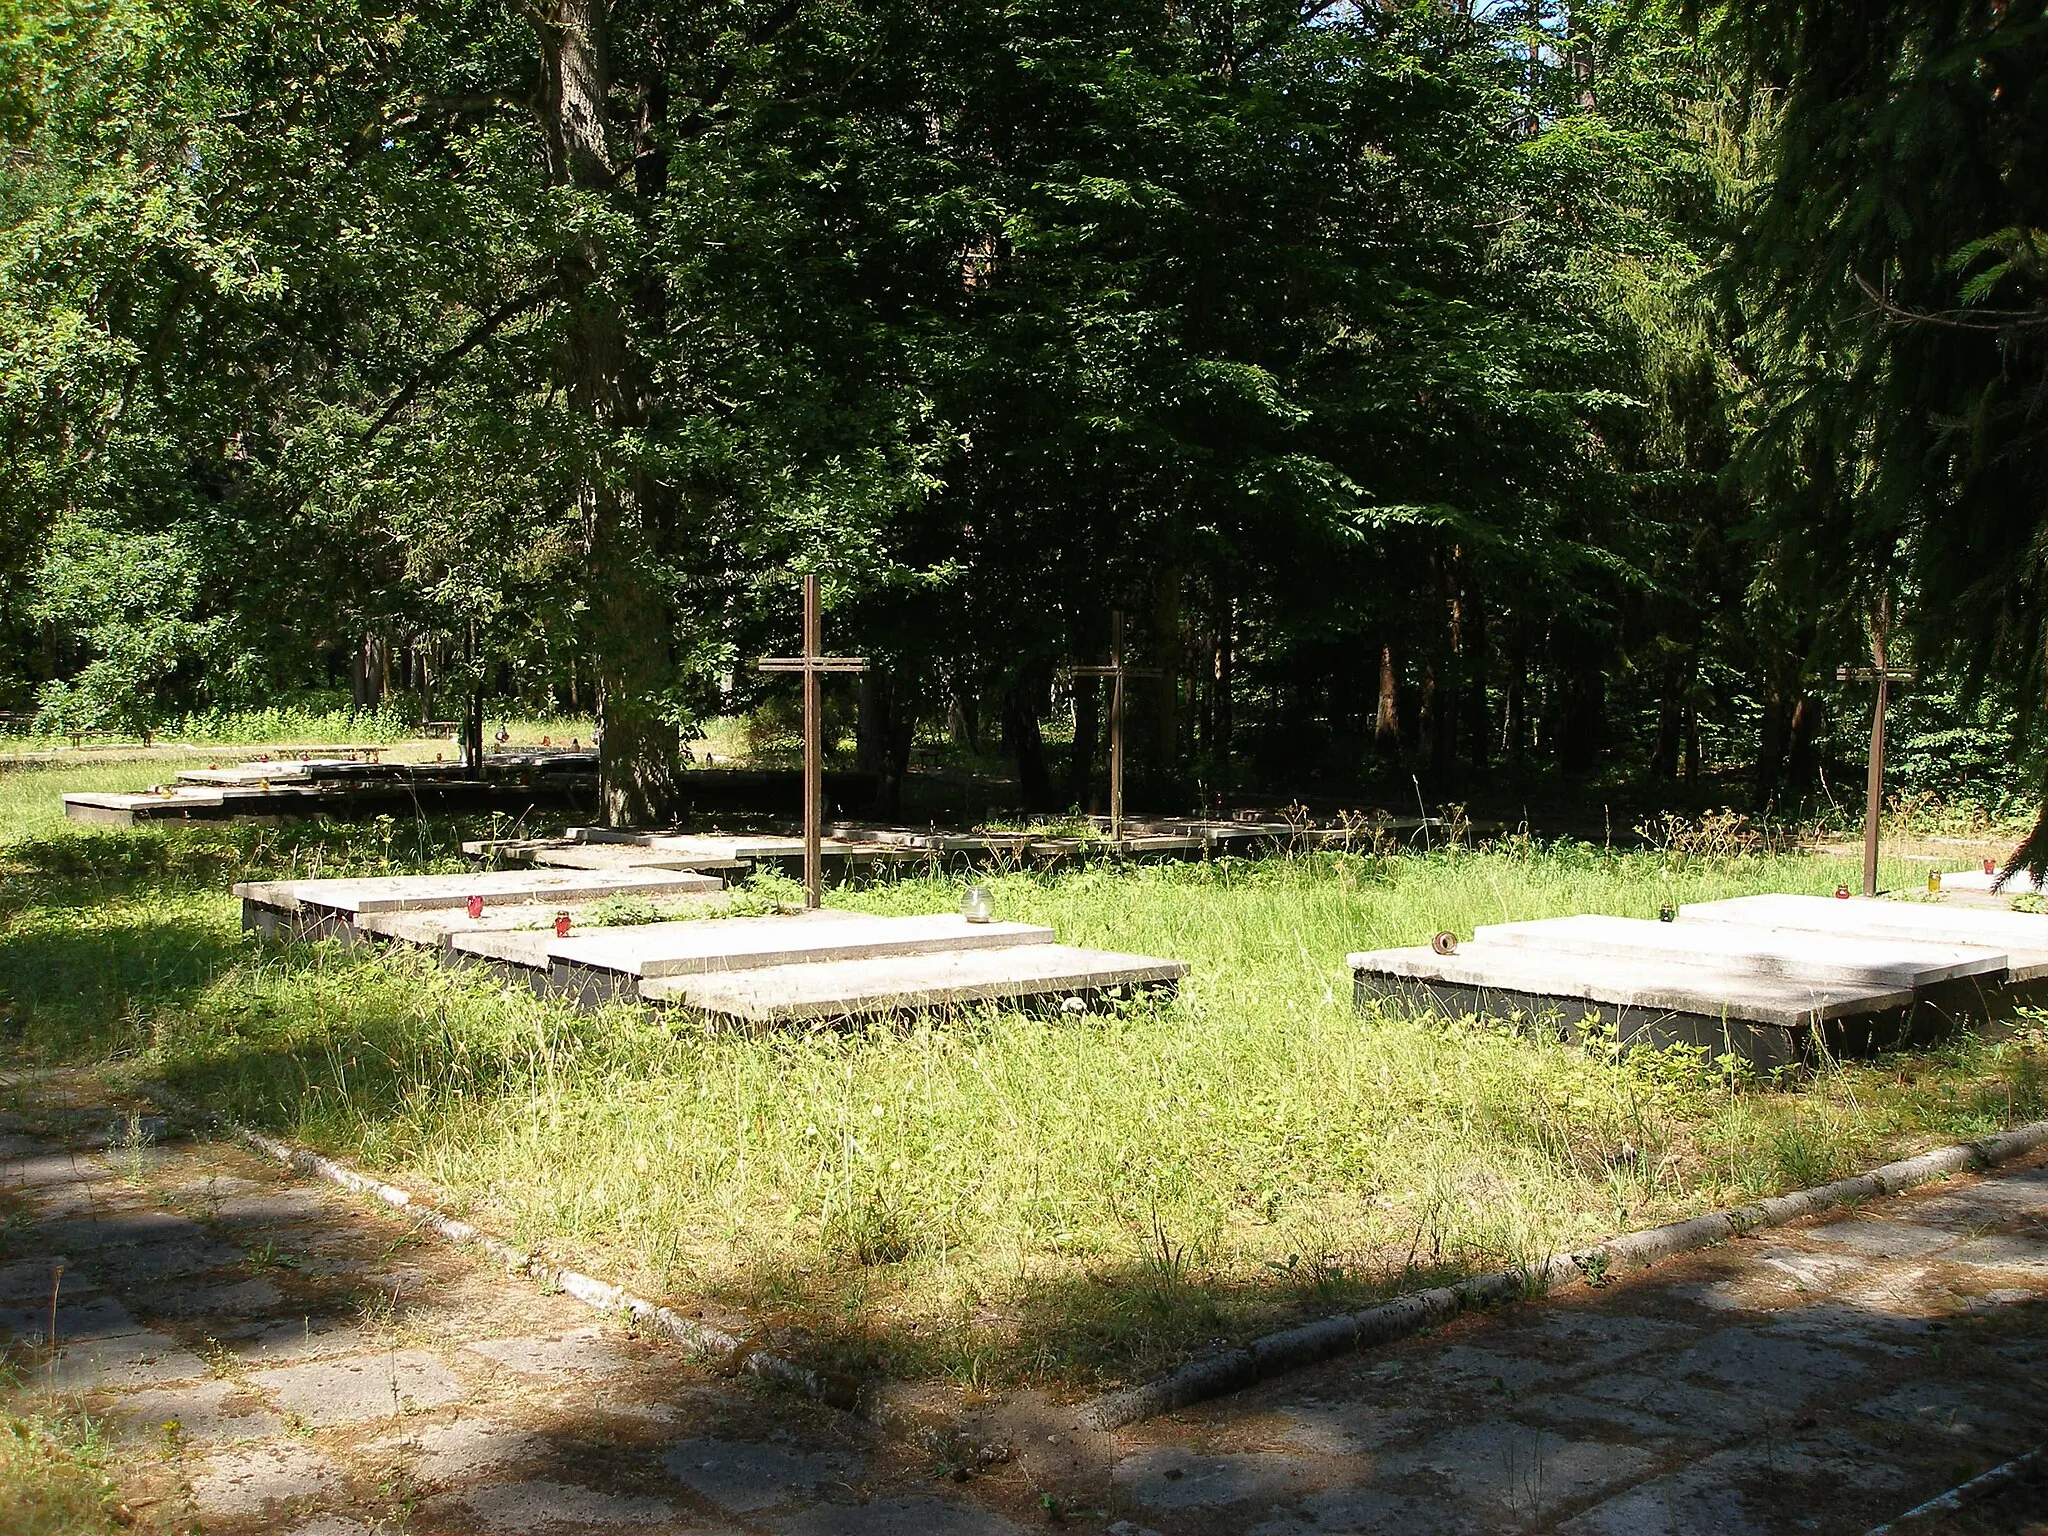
276, 1355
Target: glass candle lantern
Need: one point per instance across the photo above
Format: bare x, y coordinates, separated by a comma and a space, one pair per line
474, 906
978, 904
561, 925
1934, 882
1841, 893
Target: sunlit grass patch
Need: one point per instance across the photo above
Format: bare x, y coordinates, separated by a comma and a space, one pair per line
53, 1480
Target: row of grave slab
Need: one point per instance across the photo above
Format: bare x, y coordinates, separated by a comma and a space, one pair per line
549, 928
1772, 979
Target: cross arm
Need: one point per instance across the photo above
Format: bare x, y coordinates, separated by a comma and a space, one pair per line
1116, 671
1847, 674
812, 664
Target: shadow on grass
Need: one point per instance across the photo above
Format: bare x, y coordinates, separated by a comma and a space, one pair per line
92, 989
89, 866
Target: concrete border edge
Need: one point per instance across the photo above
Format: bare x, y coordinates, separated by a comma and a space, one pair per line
1229, 1370
729, 1351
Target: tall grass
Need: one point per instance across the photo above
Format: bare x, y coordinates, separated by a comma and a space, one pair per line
999, 1194
53, 1480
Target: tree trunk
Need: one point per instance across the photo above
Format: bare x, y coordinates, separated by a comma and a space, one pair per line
1087, 736
1166, 632
1386, 720
630, 622
883, 731
1801, 764
1020, 726
1670, 713
1223, 693
1515, 728
963, 719
1475, 726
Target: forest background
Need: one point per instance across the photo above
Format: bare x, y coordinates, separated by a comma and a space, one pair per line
1563, 387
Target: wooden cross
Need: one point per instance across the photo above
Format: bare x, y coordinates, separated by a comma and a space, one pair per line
1884, 676
813, 664
1117, 670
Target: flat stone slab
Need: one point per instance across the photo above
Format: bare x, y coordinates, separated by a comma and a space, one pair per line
361, 1387
245, 1481
752, 943
204, 1412
1656, 984
421, 893
741, 1477
545, 1506
1762, 952
125, 1360
917, 1515
2022, 935
843, 989
583, 1352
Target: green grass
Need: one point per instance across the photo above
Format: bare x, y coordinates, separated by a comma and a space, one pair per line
1002, 1196
52, 1478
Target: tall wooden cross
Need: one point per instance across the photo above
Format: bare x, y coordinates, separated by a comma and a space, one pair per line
813, 664
1117, 670
1884, 675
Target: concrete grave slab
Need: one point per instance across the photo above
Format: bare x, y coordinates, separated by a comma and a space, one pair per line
2023, 936
741, 1477
1173, 1477
842, 989
1654, 986
420, 893
1748, 950
361, 1387
749, 943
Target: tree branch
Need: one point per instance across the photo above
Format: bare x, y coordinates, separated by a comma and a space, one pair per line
474, 337
1999, 319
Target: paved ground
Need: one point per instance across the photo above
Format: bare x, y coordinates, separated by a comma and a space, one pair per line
276, 1355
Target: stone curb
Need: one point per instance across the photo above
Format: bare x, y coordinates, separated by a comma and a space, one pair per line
1976, 1491
1311, 1343
729, 1352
